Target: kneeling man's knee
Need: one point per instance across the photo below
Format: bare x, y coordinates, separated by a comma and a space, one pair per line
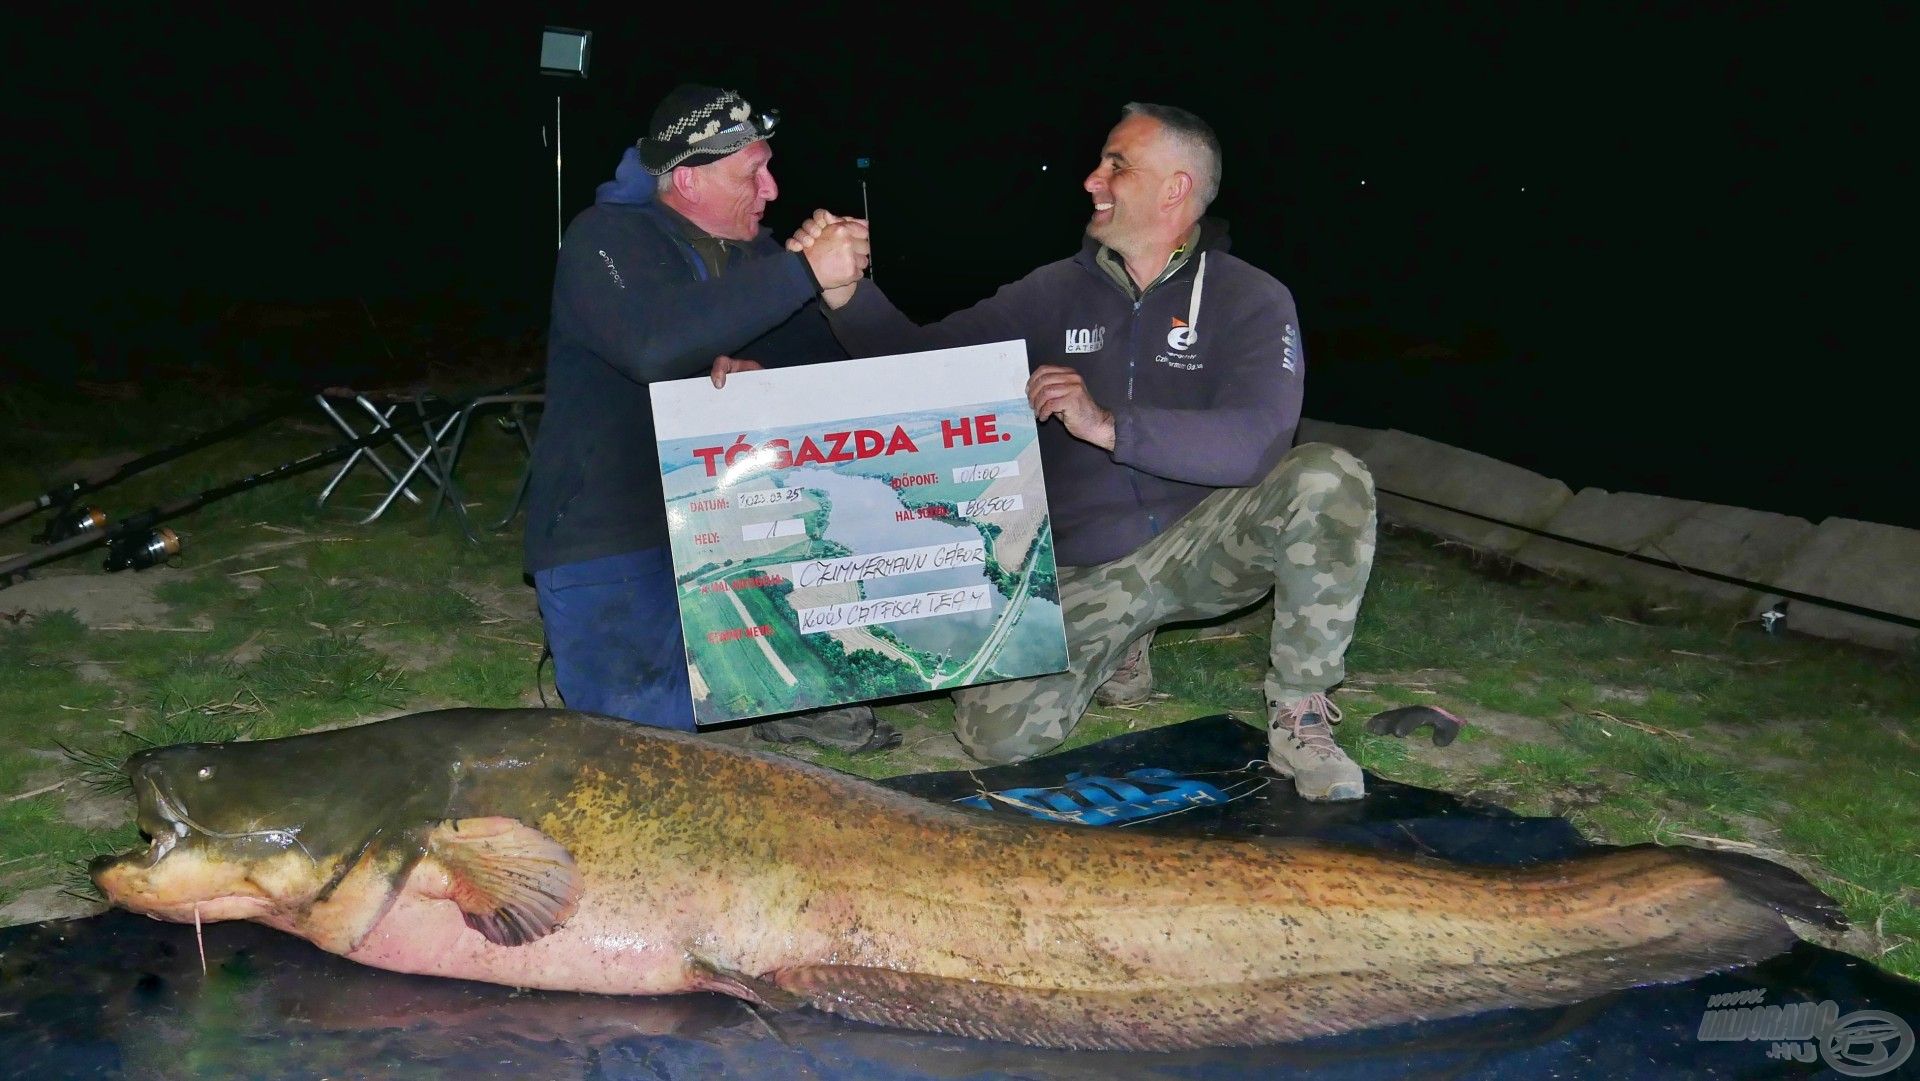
1337, 463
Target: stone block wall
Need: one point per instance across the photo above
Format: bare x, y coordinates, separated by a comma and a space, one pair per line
1678, 548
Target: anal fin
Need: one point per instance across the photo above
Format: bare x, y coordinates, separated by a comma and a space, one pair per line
1045, 1017
711, 977
1182, 1017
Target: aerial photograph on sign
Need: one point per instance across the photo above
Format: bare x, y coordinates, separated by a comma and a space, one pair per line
826, 559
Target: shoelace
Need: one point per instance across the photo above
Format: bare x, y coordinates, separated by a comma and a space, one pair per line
1318, 737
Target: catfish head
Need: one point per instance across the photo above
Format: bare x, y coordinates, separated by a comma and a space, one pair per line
318, 835
271, 831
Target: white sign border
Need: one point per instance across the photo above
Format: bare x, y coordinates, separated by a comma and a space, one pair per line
685, 408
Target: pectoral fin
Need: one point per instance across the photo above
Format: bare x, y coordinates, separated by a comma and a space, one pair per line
513, 883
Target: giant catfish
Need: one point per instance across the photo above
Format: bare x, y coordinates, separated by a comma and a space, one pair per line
561, 850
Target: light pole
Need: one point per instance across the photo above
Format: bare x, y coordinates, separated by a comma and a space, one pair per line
862, 163
563, 52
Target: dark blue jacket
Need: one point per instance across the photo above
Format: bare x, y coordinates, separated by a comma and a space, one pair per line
634, 303
1204, 378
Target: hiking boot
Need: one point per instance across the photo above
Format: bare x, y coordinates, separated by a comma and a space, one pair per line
1300, 745
1132, 682
853, 729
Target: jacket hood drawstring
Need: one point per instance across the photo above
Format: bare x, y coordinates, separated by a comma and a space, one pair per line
1193, 303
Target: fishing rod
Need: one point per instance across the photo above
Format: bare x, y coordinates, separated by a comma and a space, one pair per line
136, 543
72, 522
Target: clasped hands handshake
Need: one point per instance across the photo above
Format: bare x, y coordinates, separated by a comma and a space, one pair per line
838, 251
837, 248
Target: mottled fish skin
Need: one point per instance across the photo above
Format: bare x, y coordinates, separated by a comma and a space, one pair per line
699, 866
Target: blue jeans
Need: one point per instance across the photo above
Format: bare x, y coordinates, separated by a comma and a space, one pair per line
613, 624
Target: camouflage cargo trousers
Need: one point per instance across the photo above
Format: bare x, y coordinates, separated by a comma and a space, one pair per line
1305, 534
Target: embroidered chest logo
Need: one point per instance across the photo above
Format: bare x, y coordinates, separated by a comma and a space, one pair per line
1086, 341
1182, 337
1181, 343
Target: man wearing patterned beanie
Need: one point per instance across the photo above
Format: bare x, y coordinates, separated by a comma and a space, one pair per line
667, 272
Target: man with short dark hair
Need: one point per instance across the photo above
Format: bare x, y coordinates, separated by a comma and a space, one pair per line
1174, 372
668, 270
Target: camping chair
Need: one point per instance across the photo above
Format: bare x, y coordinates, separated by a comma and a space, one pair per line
380, 410
521, 405
431, 448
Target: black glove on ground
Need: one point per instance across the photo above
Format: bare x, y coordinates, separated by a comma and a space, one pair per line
1405, 720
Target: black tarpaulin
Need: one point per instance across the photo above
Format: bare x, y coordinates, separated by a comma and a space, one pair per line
119, 995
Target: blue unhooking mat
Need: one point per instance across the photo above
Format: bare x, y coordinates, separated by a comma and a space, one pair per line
120, 995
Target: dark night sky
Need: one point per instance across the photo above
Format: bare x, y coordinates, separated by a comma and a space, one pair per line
1692, 296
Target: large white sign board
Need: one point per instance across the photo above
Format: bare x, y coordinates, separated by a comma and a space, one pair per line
858, 530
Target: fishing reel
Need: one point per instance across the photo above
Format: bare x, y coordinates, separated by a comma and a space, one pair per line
71, 523
157, 546
1774, 619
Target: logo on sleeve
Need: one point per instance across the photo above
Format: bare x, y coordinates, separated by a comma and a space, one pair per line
1289, 350
612, 270
1086, 341
1182, 337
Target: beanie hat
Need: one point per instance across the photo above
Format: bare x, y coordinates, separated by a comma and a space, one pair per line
700, 122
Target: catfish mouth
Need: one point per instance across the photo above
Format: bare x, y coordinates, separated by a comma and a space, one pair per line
198, 882
162, 825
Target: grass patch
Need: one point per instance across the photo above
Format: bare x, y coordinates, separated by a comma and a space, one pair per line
427, 609
39, 848
198, 684
1861, 835
477, 679
1664, 766
199, 592
1539, 765
333, 668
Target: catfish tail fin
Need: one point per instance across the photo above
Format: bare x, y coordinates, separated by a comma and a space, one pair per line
1778, 887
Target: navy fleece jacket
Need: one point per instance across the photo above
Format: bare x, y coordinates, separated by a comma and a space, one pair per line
633, 303
1204, 378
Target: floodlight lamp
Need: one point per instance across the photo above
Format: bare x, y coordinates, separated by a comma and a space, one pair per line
563, 51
